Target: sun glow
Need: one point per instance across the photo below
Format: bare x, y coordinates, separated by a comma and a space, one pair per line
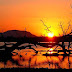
50, 34
50, 51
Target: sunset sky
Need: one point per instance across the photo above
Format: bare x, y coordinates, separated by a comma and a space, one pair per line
21, 14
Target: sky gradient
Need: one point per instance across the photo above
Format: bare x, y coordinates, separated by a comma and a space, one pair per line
21, 14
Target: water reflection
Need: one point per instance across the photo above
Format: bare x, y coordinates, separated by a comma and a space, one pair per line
27, 58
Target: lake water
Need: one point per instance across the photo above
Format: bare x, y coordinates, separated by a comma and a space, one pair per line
27, 58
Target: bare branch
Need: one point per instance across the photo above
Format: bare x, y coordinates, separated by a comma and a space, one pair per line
68, 27
65, 30
47, 28
61, 26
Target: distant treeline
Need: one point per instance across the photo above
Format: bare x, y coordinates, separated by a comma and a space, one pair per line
36, 39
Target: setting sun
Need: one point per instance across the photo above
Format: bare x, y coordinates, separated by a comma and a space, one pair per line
50, 34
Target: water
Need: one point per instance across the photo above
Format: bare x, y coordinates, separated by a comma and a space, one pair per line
27, 58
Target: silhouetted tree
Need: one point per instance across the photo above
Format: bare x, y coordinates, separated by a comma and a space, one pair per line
65, 34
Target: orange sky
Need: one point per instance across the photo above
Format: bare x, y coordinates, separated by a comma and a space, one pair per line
18, 14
